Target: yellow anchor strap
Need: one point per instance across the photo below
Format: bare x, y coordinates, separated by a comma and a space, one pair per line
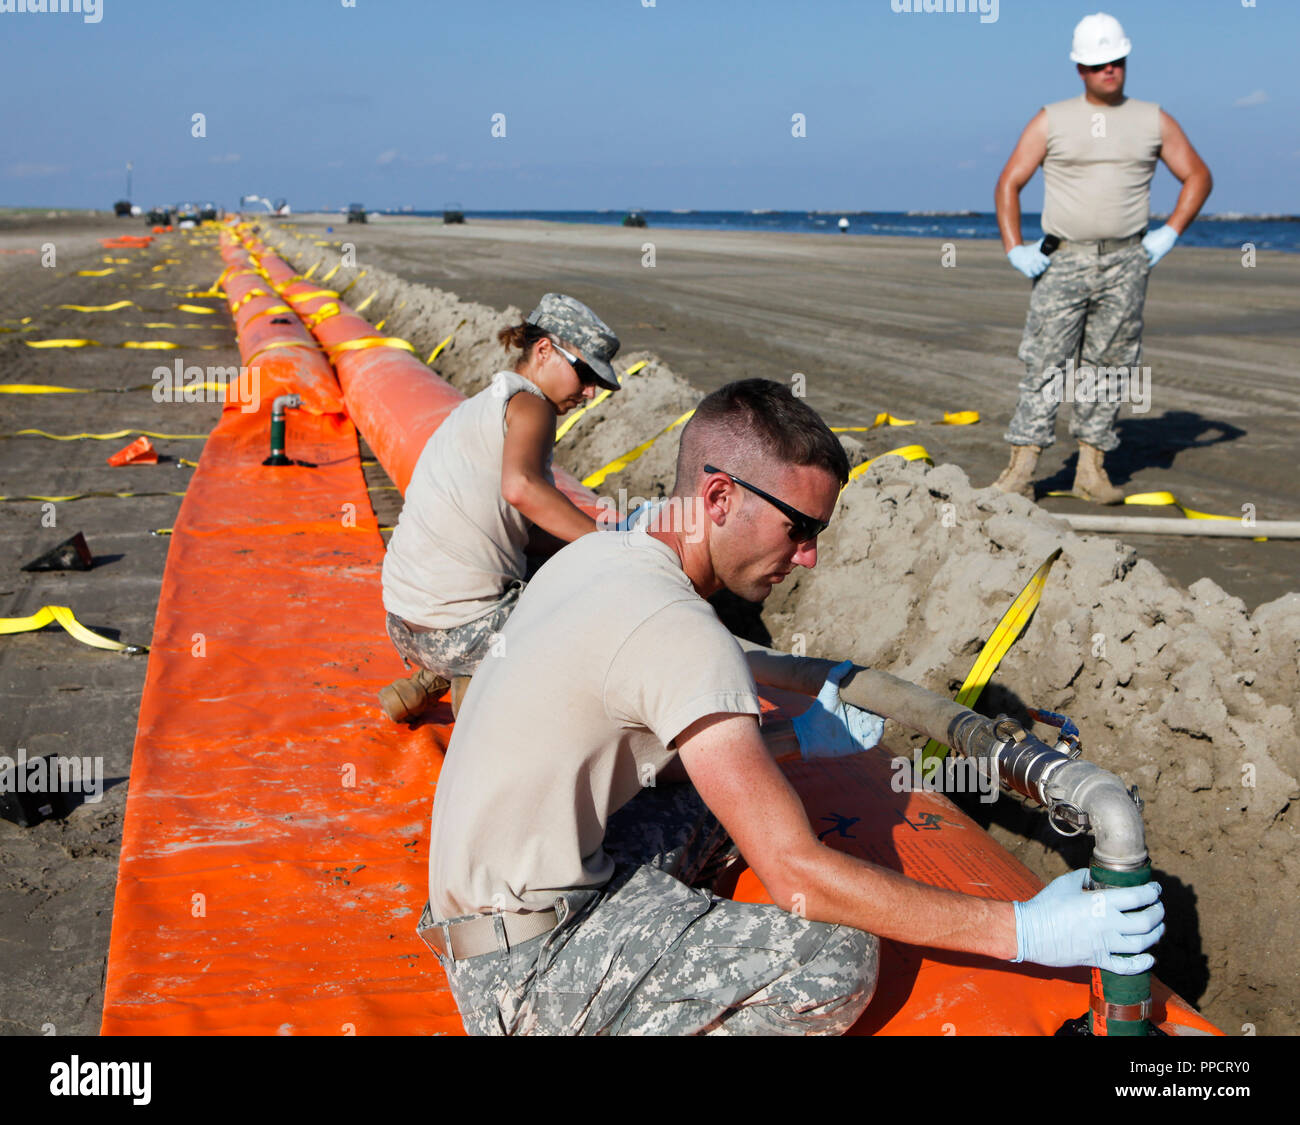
995, 648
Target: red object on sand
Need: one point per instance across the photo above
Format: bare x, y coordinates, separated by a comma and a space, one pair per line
139, 452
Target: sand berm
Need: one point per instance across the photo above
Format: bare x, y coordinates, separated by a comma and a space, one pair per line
1181, 692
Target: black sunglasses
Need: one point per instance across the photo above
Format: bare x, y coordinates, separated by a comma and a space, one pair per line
802, 528
1117, 63
586, 376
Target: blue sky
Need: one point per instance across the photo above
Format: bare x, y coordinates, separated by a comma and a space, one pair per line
612, 103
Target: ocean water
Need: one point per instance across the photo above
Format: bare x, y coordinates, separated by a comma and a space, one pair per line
1266, 233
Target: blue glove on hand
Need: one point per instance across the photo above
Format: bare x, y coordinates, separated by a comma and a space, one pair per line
1159, 242
1064, 925
831, 728
1029, 260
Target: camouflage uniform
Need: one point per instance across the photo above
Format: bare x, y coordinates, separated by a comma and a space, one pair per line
457, 651
1081, 298
655, 953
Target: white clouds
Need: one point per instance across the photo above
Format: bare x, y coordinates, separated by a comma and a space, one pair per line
1258, 97
228, 158
387, 156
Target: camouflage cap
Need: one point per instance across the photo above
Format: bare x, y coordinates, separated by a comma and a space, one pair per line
574, 323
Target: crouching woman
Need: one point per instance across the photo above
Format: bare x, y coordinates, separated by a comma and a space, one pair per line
482, 498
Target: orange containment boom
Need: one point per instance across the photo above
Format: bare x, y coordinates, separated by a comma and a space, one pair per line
273, 340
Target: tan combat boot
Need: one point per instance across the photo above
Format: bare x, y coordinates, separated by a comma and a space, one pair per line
1018, 476
1090, 479
406, 698
459, 685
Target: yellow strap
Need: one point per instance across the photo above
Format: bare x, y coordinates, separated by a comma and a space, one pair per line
361, 307
310, 295
234, 308
62, 615
567, 424
337, 266
149, 345
63, 343
960, 418
42, 389
314, 267
201, 309
950, 418
379, 326
116, 434
101, 308
621, 463
325, 312
1157, 499
270, 310
88, 495
1003, 637
907, 452
279, 344
351, 283
368, 342
96, 273
438, 350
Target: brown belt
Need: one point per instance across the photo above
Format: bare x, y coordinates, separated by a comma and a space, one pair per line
488, 933
1102, 245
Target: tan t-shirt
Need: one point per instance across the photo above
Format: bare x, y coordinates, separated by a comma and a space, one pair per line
608, 657
1098, 169
458, 544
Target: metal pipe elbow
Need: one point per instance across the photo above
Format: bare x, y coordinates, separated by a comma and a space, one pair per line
1114, 813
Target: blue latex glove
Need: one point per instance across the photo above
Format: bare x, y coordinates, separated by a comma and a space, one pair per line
1159, 242
831, 728
1062, 926
1029, 259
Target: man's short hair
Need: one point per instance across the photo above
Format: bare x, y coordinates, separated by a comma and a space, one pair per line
753, 421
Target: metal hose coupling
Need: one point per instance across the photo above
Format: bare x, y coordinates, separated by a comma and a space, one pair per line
1078, 795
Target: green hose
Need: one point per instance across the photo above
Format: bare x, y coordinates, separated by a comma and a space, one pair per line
1117, 989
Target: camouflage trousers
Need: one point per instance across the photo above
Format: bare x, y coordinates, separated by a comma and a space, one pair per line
653, 952
457, 651
1088, 305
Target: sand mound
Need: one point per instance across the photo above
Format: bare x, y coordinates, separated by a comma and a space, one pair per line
1181, 692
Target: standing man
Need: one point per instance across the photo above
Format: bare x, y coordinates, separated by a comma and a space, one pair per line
1098, 153
570, 864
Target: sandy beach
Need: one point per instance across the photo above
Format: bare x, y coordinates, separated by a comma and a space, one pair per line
874, 325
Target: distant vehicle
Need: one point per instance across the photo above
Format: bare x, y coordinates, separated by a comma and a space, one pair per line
634, 219
158, 217
281, 207
356, 213
208, 212
122, 207
187, 215
453, 213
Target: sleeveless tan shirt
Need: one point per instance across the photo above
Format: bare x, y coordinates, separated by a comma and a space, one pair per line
1098, 168
458, 544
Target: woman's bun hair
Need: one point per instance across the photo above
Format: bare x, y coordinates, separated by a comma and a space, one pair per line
522, 337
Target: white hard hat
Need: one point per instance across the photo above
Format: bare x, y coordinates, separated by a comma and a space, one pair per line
1099, 39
